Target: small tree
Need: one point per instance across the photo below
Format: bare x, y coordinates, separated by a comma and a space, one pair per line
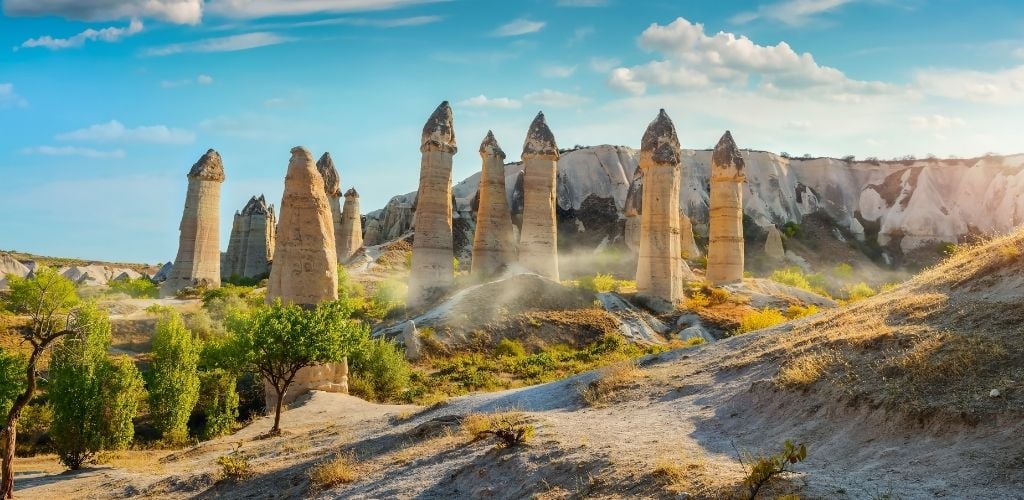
278, 340
381, 364
175, 377
49, 302
121, 390
218, 401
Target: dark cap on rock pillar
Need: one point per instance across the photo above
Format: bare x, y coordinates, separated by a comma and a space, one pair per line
332, 181
210, 167
490, 146
727, 157
540, 142
439, 131
660, 140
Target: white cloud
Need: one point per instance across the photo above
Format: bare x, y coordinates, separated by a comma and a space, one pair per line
936, 122
555, 99
73, 151
199, 80
1018, 53
519, 27
582, 3
557, 71
115, 131
9, 98
268, 8
580, 34
482, 101
172, 11
604, 64
109, 35
791, 12
232, 43
997, 87
694, 60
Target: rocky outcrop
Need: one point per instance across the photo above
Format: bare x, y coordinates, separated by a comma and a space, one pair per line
305, 269
686, 239
493, 247
433, 271
198, 259
725, 231
9, 266
773, 244
251, 245
538, 234
351, 227
163, 273
410, 338
332, 186
660, 267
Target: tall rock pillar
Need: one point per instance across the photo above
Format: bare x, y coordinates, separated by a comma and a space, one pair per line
351, 226
660, 267
305, 270
198, 259
538, 239
725, 231
332, 186
493, 248
433, 270
689, 243
251, 247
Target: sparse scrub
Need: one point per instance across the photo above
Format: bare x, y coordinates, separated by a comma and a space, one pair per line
609, 381
341, 469
683, 473
511, 428
509, 348
947, 357
235, 466
758, 320
858, 291
805, 370
139, 288
797, 311
795, 277
762, 469
843, 271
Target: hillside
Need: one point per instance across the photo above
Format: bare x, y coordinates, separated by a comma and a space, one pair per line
893, 397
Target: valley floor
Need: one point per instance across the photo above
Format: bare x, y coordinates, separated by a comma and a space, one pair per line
695, 412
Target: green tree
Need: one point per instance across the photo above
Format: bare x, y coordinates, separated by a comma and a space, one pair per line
49, 302
278, 340
218, 401
175, 377
94, 397
382, 364
12, 378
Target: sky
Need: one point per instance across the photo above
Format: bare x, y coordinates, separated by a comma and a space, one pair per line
106, 104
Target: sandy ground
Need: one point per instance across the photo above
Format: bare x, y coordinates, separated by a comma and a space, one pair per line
691, 408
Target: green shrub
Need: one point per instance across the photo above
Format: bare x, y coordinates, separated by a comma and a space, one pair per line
792, 230
858, 291
218, 402
795, 277
764, 468
12, 378
510, 348
174, 377
35, 422
758, 320
843, 271
139, 288
381, 363
235, 466
797, 311
388, 297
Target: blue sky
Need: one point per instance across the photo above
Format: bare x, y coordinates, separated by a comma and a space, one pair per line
105, 104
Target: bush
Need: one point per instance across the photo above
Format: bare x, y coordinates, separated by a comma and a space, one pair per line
511, 428
792, 230
797, 311
338, 470
858, 291
218, 402
758, 320
764, 468
235, 466
510, 348
697, 301
174, 377
610, 380
382, 364
139, 288
795, 277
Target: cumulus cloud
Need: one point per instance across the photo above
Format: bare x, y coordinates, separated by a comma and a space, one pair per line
694, 60
519, 27
1004, 86
109, 35
231, 43
73, 151
268, 8
115, 131
791, 12
482, 101
936, 122
557, 71
9, 98
555, 99
172, 11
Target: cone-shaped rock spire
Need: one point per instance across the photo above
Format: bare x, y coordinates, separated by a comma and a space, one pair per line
539, 139
439, 131
433, 270
332, 186
725, 229
493, 247
198, 260
351, 226
251, 244
660, 267
538, 238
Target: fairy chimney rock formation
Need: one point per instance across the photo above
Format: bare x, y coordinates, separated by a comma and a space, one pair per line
305, 270
686, 239
198, 260
332, 186
660, 266
725, 231
773, 245
493, 246
351, 227
538, 238
251, 245
433, 270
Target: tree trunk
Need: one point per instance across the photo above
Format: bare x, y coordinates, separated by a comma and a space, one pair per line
277, 413
11, 429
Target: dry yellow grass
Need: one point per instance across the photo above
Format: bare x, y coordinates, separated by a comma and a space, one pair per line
686, 473
806, 370
610, 380
341, 469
